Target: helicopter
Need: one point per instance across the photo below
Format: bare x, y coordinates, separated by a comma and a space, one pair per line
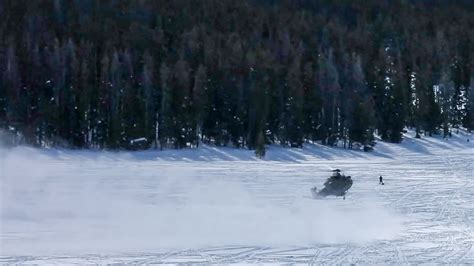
336, 185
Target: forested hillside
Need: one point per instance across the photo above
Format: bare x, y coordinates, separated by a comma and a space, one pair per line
134, 74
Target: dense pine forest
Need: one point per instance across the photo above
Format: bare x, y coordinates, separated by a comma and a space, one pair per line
139, 74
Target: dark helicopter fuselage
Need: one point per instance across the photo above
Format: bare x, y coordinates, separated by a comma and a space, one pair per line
336, 185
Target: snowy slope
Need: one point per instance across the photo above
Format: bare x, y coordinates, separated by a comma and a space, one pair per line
222, 205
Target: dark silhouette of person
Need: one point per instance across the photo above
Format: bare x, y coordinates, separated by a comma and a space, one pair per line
380, 180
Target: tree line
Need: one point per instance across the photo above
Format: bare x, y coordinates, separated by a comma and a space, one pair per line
143, 74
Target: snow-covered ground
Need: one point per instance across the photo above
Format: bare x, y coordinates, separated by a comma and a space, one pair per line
222, 205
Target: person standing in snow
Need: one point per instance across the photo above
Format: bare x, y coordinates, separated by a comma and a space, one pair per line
381, 180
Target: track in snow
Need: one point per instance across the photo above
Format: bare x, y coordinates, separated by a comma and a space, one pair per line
260, 210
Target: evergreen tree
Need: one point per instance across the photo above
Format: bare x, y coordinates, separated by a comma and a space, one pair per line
390, 96
468, 121
167, 119
328, 78
361, 109
294, 103
184, 117
445, 91
260, 147
200, 100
